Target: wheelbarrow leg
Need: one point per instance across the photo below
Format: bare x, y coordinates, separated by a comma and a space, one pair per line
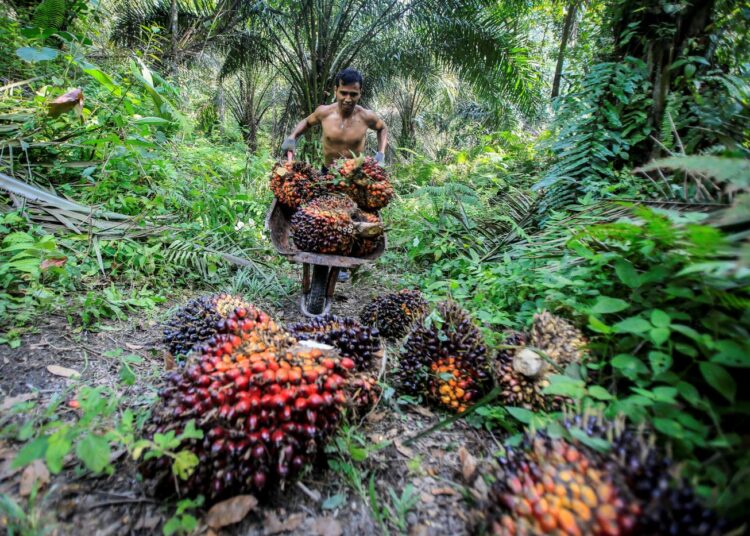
305, 278
333, 276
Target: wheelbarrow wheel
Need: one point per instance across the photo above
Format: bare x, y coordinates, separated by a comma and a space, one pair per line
316, 299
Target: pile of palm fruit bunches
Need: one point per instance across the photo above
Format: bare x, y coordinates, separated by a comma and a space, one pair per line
266, 398
329, 210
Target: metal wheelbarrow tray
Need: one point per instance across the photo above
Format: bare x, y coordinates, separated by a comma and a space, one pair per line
319, 271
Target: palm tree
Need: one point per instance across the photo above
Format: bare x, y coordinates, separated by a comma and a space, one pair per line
311, 40
254, 93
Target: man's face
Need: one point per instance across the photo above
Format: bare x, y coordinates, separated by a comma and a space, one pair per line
348, 96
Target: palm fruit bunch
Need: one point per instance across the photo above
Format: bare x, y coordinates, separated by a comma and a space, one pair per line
392, 314
560, 486
368, 182
552, 486
669, 503
295, 183
362, 392
522, 373
324, 225
265, 403
364, 246
349, 337
558, 338
198, 320
445, 360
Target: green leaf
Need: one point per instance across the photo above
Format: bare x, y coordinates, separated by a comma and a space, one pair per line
660, 362
565, 386
93, 450
669, 427
152, 121
184, 463
58, 447
596, 443
31, 451
731, 354
660, 319
633, 324
599, 392
35, 54
627, 273
520, 414
689, 393
717, 377
629, 365
358, 454
606, 305
659, 335
598, 326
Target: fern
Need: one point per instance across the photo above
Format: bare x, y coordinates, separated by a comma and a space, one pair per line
600, 124
49, 14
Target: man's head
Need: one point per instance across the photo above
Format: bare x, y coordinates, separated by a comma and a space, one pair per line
348, 88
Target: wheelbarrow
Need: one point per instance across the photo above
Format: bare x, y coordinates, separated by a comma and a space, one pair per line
319, 271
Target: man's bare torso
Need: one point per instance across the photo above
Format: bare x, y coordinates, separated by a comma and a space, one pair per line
344, 136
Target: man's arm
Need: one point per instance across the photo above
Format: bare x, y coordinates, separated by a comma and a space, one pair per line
290, 144
379, 126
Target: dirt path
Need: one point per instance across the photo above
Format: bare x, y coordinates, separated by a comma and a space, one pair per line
415, 487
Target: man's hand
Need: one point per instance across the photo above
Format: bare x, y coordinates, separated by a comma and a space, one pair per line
379, 157
290, 144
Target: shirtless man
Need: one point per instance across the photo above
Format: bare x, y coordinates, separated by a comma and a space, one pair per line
344, 122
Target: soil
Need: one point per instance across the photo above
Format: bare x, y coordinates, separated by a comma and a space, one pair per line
322, 502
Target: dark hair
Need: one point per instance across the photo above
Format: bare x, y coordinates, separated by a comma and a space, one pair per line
348, 76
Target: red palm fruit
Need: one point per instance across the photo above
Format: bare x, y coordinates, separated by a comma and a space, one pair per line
368, 182
249, 419
324, 225
295, 183
437, 357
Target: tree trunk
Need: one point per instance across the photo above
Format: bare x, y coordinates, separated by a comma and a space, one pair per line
173, 28
568, 24
220, 107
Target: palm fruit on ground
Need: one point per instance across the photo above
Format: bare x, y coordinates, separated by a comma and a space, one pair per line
295, 183
265, 404
444, 359
560, 340
521, 389
669, 504
552, 486
364, 246
362, 392
393, 314
349, 337
369, 184
199, 320
324, 225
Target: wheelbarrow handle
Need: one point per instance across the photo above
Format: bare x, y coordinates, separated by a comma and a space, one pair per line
290, 155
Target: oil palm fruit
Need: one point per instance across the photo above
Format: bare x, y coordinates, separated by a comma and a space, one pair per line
265, 403
295, 183
392, 314
349, 337
552, 486
518, 390
324, 225
444, 359
200, 319
369, 184
669, 504
364, 246
362, 392
561, 486
559, 339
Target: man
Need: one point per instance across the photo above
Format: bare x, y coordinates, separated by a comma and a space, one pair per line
344, 122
